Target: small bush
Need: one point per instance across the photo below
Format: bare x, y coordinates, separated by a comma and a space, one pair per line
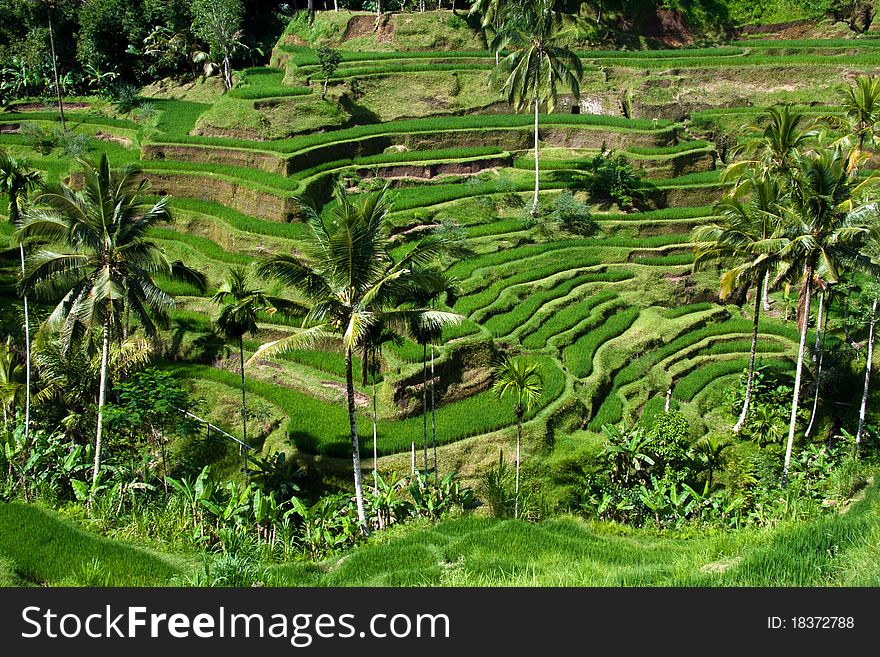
572, 215
125, 97
614, 178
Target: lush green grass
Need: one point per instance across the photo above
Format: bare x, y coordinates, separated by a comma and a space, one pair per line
346, 72
689, 385
810, 44
841, 59
674, 149
578, 356
474, 551
72, 118
422, 156
834, 550
318, 427
241, 221
564, 319
265, 82
174, 127
512, 314
678, 311
43, 549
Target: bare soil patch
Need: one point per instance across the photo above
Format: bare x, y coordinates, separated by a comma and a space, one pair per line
39, 107
360, 399
122, 141
361, 26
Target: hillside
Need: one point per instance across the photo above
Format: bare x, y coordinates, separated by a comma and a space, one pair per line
608, 305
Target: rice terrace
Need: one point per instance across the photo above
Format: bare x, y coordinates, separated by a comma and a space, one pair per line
387, 293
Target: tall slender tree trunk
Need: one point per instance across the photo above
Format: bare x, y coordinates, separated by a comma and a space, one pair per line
519, 416
55, 71
425, 403
433, 417
817, 353
243, 406
375, 453
819, 323
127, 314
750, 377
864, 407
808, 284
27, 356
227, 72
537, 166
355, 447
766, 292
102, 391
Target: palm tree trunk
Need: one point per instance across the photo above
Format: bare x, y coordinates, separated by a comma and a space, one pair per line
27, 356
519, 415
766, 292
127, 313
864, 408
102, 390
433, 417
375, 455
818, 345
425, 403
808, 288
55, 71
355, 447
820, 337
537, 166
815, 396
243, 400
751, 375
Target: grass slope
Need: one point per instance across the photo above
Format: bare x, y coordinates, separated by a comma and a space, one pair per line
474, 551
58, 553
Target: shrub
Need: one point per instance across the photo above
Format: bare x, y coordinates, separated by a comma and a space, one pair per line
614, 178
39, 138
572, 214
125, 97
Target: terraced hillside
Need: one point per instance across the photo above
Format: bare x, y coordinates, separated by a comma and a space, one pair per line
615, 319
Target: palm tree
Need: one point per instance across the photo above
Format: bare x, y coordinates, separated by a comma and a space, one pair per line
824, 226
17, 179
773, 150
238, 317
522, 377
70, 378
491, 12
11, 380
710, 452
352, 280
536, 64
107, 261
744, 233
861, 106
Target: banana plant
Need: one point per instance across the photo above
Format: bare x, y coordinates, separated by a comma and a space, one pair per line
193, 492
